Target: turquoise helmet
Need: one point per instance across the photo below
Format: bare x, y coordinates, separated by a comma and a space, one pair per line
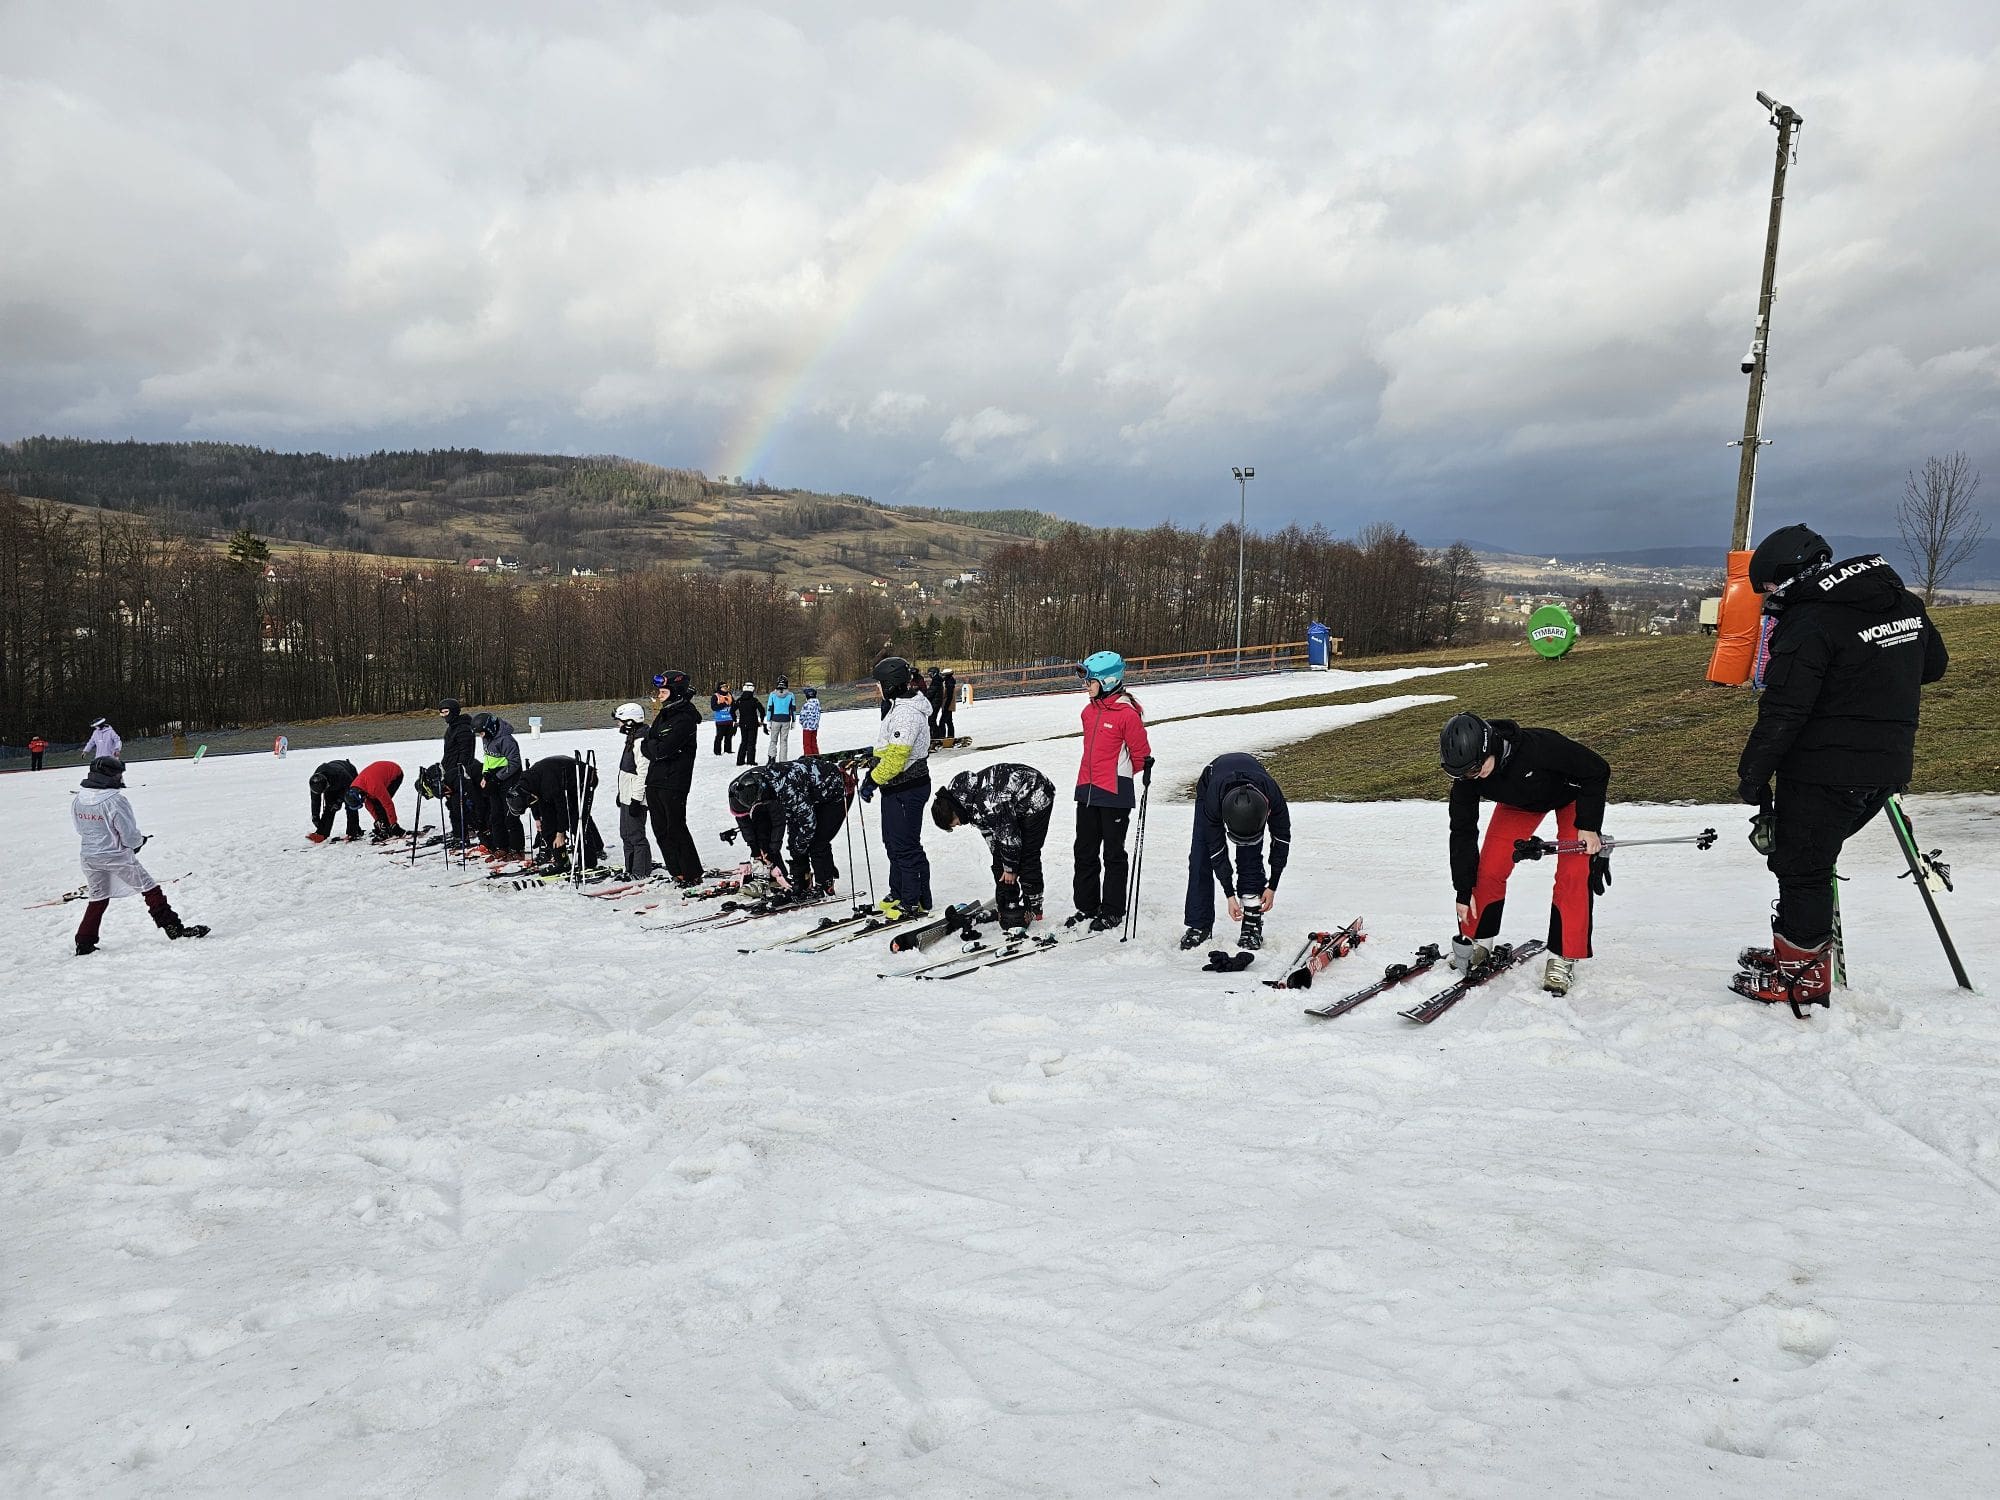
1104, 667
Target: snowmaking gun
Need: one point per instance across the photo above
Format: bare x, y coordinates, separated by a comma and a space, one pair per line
1536, 848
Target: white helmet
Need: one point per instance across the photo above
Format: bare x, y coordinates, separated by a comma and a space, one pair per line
629, 713
749, 687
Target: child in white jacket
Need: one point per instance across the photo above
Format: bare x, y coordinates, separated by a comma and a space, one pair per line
110, 857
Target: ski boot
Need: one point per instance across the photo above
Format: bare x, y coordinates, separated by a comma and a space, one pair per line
1558, 974
1468, 954
1193, 938
1755, 957
179, 929
1082, 919
85, 946
1104, 921
1251, 936
1800, 976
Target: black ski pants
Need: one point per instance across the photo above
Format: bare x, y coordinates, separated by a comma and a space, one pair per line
1027, 891
35, 759
326, 806
1199, 908
816, 862
462, 803
903, 813
1813, 822
668, 808
503, 830
746, 753
725, 737
1102, 868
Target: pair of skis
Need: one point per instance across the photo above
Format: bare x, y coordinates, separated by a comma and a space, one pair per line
1502, 958
983, 955
1318, 951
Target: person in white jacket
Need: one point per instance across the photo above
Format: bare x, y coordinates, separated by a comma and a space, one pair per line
103, 742
110, 856
632, 815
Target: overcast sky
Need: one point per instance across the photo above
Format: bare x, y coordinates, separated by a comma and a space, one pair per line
1486, 270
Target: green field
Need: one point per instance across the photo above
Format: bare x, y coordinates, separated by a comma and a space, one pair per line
1640, 702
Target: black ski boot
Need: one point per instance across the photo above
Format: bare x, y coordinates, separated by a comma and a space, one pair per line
1251, 938
85, 946
179, 929
1104, 922
1193, 938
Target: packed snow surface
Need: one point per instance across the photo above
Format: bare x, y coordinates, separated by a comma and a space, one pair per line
397, 1186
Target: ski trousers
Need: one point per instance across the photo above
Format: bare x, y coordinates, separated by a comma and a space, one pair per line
781, 740
503, 830
93, 914
725, 738
1199, 909
746, 753
668, 810
326, 807
903, 812
1028, 892
1570, 908
1813, 822
815, 862
808, 742
1102, 867
632, 834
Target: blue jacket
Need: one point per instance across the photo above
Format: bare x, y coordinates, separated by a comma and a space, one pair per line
780, 706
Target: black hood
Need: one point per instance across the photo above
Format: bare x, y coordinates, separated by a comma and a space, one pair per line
103, 781
1860, 582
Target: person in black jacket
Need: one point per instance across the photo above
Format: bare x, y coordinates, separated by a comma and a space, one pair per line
947, 704
670, 751
458, 787
558, 790
1235, 802
1528, 774
329, 784
1849, 652
1011, 804
749, 719
797, 803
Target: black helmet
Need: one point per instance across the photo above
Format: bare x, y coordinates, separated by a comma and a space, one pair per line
1786, 553
784, 681
1245, 811
894, 675
450, 707
520, 796
430, 782
676, 683
319, 782
482, 723
746, 791
1464, 742
110, 767
947, 811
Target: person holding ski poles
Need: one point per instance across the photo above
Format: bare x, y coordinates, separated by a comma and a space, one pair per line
558, 789
670, 748
722, 709
902, 772
329, 785
1235, 802
458, 771
103, 742
110, 856
1115, 751
749, 719
809, 712
499, 764
783, 706
1011, 805
1527, 774
1849, 652
631, 790
797, 803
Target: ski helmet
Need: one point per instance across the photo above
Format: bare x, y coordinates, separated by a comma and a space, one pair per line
1463, 743
430, 782
1245, 811
628, 713
1786, 553
894, 676
99, 723
318, 782
483, 723
520, 796
746, 791
783, 682
947, 811
748, 687
677, 684
1105, 668
109, 767
812, 692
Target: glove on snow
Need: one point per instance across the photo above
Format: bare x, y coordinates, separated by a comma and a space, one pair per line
1227, 963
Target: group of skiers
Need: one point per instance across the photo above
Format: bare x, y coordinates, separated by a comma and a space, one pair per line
1846, 653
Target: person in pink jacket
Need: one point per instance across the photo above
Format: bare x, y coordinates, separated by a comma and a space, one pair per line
1115, 754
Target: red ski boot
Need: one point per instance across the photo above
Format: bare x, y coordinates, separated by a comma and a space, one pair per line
1799, 977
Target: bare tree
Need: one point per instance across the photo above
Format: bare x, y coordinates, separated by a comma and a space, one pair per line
1939, 524
1593, 613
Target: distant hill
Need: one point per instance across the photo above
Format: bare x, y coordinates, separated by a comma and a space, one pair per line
550, 510
1982, 568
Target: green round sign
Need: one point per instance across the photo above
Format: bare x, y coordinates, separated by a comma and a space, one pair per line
1552, 630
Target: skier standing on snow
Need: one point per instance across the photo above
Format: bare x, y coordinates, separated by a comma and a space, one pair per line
1115, 750
499, 764
631, 793
329, 784
797, 803
783, 707
458, 787
37, 748
103, 742
1528, 774
670, 748
903, 774
563, 826
934, 696
110, 855
722, 709
809, 712
1235, 801
948, 704
1837, 726
749, 719
1011, 805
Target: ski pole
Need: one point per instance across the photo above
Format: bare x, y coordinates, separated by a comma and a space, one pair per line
1536, 848
1138, 862
865, 856
1923, 869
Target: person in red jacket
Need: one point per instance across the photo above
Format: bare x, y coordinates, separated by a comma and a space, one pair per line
37, 748
377, 786
1115, 751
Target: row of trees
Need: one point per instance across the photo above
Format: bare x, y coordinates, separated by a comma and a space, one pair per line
98, 616
1170, 589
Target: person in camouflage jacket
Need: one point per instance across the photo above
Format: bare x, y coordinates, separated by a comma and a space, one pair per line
1011, 805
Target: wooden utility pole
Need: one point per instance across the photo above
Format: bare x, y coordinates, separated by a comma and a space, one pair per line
1786, 121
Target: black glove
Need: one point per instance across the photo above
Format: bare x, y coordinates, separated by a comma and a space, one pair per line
1146, 770
1600, 873
1764, 831
1221, 962
728, 835
1756, 793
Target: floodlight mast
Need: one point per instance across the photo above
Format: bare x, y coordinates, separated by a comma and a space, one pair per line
1244, 474
1786, 121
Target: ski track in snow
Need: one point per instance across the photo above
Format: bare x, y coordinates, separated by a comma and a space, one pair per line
395, 1189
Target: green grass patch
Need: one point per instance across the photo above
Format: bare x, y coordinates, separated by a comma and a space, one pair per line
1642, 703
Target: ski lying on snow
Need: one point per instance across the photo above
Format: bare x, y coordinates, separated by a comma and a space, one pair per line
1422, 962
1011, 951
82, 893
1321, 949
871, 924
962, 916
1498, 962
731, 913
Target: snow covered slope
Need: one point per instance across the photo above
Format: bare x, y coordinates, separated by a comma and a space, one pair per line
398, 1187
